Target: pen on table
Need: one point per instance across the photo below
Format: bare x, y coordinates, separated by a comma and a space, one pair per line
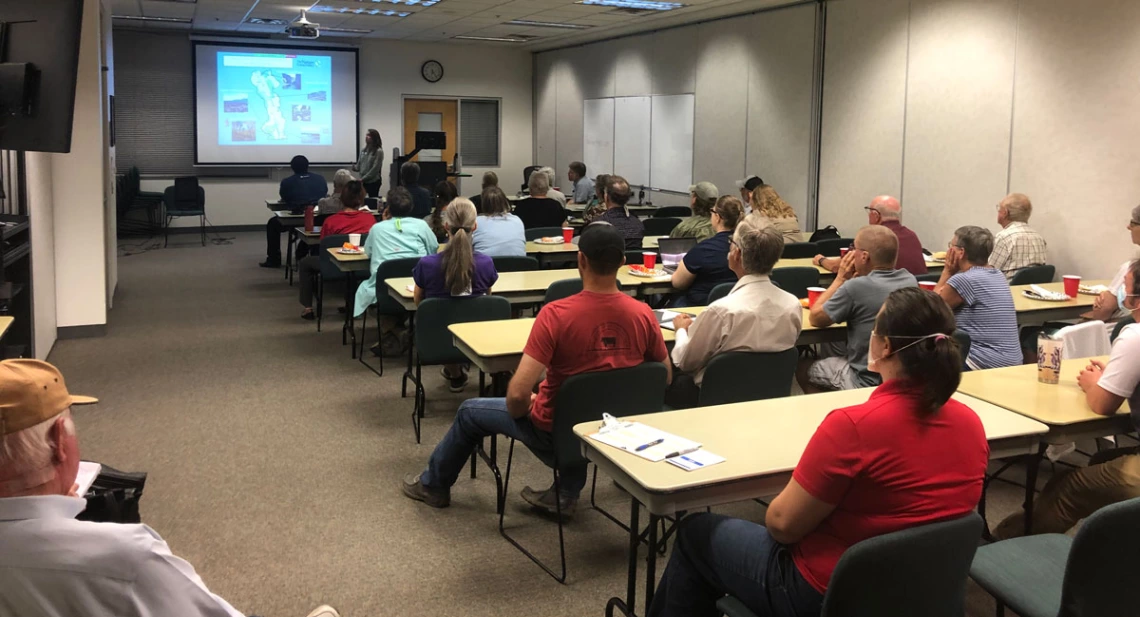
681, 452
649, 445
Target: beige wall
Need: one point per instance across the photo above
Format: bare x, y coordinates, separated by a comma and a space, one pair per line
953, 103
41, 205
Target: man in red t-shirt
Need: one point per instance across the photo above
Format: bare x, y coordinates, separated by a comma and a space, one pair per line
350, 220
598, 329
887, 211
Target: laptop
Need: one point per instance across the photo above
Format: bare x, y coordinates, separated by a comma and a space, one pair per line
673, 250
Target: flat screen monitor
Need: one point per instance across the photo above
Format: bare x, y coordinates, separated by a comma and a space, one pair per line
431, 140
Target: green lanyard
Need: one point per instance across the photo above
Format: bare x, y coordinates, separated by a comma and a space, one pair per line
399, 227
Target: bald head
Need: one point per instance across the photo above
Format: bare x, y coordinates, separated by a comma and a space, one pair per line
1017, 208
881, 245
888, 207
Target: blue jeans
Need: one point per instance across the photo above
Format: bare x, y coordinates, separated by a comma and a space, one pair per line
482, 417
716, 556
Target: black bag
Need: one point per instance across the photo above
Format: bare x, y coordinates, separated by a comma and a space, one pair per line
825, 233
114, 497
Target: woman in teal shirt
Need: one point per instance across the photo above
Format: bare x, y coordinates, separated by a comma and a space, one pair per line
396, 237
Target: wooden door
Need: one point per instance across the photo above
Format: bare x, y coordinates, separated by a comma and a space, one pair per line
435, 115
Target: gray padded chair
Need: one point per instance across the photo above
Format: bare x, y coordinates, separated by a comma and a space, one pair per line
739, 376
720, 291
796, 280
800, 250
1033, 275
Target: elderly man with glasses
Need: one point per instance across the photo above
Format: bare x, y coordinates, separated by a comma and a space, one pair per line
1017, 245
887, 211
1106, 308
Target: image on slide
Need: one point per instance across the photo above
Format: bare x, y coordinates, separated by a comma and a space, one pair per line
274, 99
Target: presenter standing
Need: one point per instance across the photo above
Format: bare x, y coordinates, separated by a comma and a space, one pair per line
370, 163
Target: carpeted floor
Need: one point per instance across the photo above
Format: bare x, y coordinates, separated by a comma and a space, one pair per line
274, 458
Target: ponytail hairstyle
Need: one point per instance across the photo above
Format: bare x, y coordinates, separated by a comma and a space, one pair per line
459, 256
920, 326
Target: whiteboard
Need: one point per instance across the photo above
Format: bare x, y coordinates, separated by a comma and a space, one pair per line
672, 138
632, 139
598, 136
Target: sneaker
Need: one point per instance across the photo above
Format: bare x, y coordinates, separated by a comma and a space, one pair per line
309, 316
434, 498
324, 610
270, 264
455, 384
391, 346
544, 500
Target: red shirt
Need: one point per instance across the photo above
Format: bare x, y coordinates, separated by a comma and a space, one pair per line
910, 248
348, 222
589, 332
887, 468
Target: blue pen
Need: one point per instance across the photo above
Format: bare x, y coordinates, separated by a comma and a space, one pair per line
649, 445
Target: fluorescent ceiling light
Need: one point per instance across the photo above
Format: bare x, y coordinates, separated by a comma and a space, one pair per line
347, 30
320, 8
497, 39
644, 5
261, 21
545, 24
173, 20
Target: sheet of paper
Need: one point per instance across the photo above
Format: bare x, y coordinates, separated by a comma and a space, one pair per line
88, 471
644, 441
665, 318
411, 288
695, 460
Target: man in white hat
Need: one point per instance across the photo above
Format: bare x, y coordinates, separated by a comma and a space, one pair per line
746, 186
54, 564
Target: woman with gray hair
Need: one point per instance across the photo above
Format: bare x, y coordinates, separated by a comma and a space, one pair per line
332, 204
1105, 307
551, 179
979, 296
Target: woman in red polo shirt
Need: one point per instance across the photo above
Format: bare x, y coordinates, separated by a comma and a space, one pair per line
908, 456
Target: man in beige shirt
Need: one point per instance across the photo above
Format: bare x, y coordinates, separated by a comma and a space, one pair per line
755, 316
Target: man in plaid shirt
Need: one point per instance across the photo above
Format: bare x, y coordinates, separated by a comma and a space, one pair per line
1017, 245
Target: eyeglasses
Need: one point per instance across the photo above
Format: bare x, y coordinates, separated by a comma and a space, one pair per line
870, 209
951, 245
732, 242
1133, 224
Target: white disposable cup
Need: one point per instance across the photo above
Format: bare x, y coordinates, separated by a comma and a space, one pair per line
354, 239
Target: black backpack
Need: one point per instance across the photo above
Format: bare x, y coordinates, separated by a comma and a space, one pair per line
825, 233
114, 497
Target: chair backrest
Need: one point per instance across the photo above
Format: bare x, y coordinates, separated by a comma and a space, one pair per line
916, 571
586, 396
562, 289
527, 171
434, 342
329, 271
391, 269
514, 263
638, 257
671, 211
660, 226
720, 291
1120, 325
186, 190
1084, 340
535, 233
795, 280
1101, 570
963, 343
831, 247
800, 250
739, 376
1033, 275
134, 180
931, 277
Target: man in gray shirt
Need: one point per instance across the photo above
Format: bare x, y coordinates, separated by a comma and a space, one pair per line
583, 187
866, 276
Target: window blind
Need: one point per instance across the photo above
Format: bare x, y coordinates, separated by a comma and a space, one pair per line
479, 132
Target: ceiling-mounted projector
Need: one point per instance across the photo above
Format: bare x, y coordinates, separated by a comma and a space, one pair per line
303, 28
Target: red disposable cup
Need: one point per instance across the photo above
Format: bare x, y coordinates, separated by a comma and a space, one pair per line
1072, 285
650, 259
813, 294
927, 285
568, 234
843, 251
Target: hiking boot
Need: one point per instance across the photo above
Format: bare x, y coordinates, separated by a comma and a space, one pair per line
269, 263
392, 345
544, 500
455, 384
432, 497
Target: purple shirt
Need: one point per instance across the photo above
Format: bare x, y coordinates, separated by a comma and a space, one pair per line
429, 276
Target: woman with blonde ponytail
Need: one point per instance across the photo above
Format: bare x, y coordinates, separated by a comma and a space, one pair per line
457, 271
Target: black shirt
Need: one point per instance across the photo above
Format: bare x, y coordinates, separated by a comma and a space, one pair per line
540, 212
708, 261
303, 189
421, 200
629, 225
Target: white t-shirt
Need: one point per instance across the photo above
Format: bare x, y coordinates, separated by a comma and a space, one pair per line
1122, 373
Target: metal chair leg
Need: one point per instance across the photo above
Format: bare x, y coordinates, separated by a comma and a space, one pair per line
418, 408
202, 226
558, 508
320, 298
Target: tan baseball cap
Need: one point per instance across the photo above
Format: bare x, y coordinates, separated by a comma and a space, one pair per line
31, 392
705, 190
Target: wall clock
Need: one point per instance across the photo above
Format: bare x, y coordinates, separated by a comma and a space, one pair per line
432, 71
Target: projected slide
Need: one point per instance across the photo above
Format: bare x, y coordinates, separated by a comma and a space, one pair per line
274, 99
262, 105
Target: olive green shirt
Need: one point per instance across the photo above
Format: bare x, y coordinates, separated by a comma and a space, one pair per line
699, 227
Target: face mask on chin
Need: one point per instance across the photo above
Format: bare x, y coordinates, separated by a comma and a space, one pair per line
872, 361
1121, 296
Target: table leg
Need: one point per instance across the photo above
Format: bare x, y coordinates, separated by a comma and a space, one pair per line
634, 543
289, 256
1031, 485
651, 562
349, 318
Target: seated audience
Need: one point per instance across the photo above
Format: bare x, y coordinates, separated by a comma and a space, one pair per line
886, 211
981, 300
490, 179
551, 182
539, 210
350, 220
457, 271
331, 204
597, 205
421, 197
767, 202
499, 233
1105, 307
397, 236
54, 564
746, 187
1017, 245
297, 191
755, 316
702, 198
1111, 475
617, 214
866, 276
909, 456
581, 186
565, 340
706, 265
445, 193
